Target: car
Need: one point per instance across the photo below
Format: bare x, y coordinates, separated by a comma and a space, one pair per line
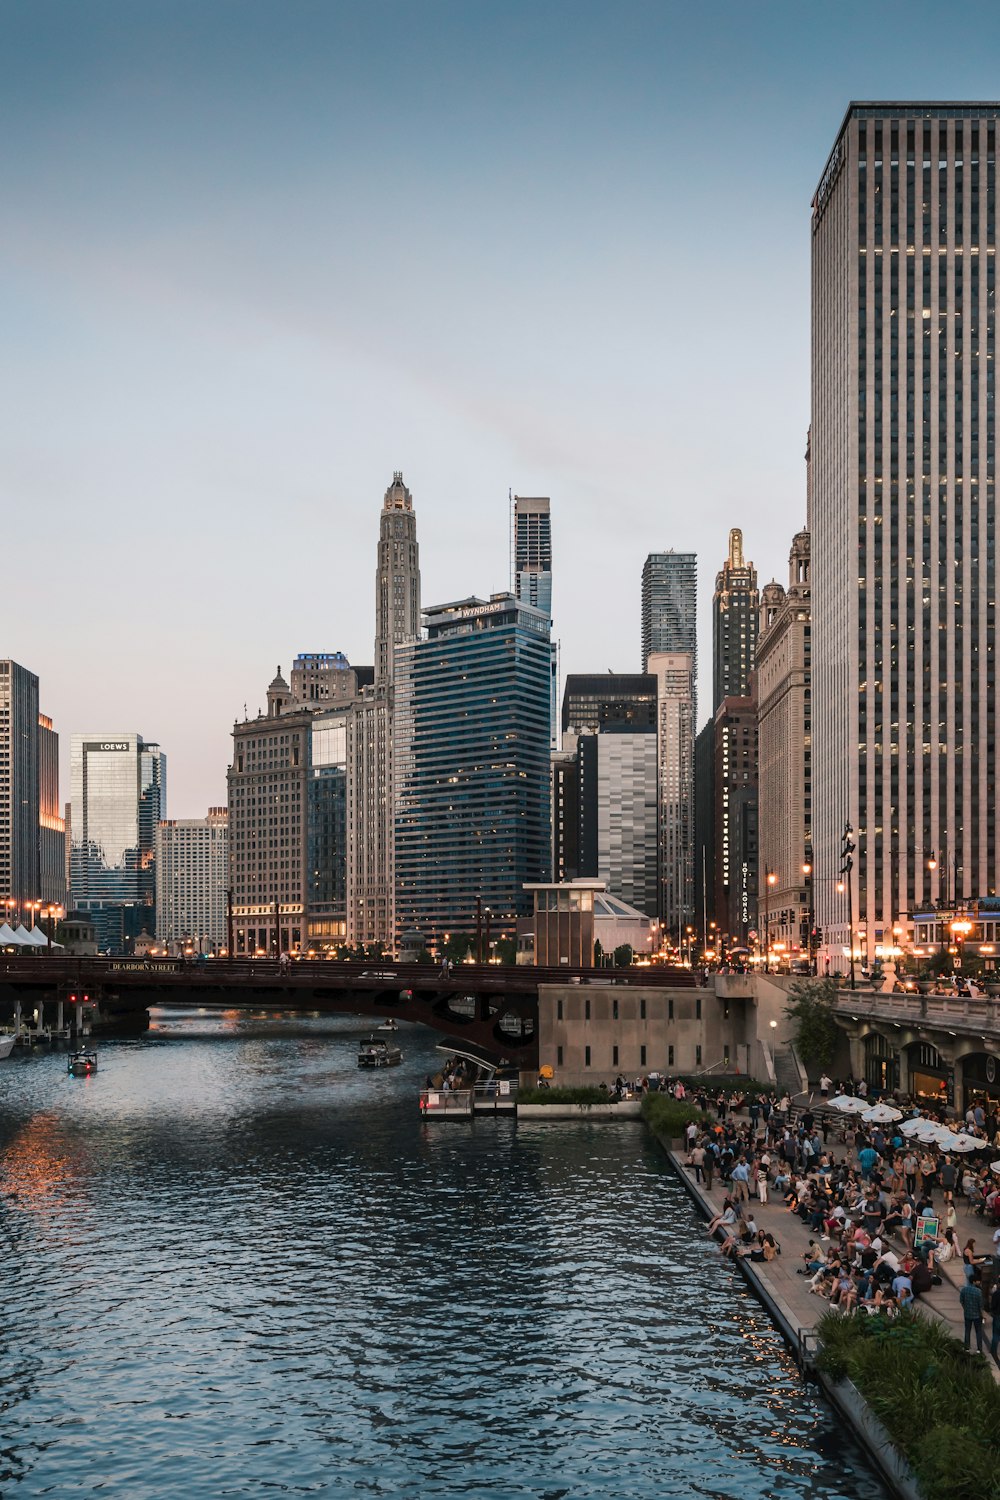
378, 974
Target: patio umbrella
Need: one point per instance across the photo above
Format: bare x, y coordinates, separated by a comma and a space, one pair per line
928, 1131
965, 1142
844, 1102
995, 1167
911, 1126
849, 1106
882, 1114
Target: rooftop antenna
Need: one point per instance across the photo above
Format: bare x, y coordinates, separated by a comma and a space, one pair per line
510, 537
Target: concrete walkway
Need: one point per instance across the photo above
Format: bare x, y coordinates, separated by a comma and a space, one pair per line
796, 1308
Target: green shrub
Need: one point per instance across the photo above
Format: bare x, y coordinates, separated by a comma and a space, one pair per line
564, 1096
940, 1406
667, 1116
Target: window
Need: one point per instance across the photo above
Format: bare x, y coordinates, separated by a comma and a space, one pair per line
586, 1057
642, 1056
614, 1057
559, 1010
559, 1056
697, 1057
642, 1010
586, 1010
614, 1010
697, 1008
670, 1010
670, 1057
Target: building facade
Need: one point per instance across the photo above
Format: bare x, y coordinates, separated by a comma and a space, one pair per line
192, 878
533, 552
784, 739
118, 791
471, 767
19, 795
674, 673
670, 606
51, 823
735, 609
593, 702
903, 514
736, 836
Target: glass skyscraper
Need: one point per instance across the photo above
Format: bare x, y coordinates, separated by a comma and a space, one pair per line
118, 789
471, 766
670, 605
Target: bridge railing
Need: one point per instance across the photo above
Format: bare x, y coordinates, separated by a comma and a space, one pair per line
442, 1102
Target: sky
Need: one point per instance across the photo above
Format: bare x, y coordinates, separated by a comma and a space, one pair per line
259, 254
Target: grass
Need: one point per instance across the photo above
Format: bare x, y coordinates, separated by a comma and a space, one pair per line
940, 1406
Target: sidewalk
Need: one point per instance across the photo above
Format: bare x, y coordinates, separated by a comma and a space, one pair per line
796, 1307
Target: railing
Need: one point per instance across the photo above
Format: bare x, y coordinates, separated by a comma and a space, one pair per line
723, 1063
496, 1093
965, 1013
768, 1055
803, 1076
439, 1103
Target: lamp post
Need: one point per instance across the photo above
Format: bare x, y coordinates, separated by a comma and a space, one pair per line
847, 847
961, 928
770, 878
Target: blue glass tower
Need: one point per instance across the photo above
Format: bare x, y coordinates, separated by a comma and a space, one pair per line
472, 766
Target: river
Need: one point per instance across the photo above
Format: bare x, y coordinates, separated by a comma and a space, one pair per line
233, 1265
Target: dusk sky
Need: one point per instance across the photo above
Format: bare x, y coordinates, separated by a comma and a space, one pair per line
256, 256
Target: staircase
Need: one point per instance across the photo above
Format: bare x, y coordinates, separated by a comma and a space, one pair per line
786, 1072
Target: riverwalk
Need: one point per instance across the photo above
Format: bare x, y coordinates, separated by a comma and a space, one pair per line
794, 1307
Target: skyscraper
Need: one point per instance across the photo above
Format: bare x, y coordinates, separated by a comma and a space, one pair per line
471, 764
397, 578
674, 673
670, 606
118, 790
533, 552
735, 607
903, 513
192, 875
51, 823
19, 827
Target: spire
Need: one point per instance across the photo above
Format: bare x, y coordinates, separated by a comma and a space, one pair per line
736, 548
397, 496
278, 696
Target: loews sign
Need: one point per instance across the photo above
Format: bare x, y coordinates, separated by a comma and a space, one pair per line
107, 745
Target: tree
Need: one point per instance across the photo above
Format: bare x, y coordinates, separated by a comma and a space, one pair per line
810, 1006
506, 950
458, 947
424, 957
623, 956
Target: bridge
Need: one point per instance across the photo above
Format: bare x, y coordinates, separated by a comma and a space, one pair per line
488, 1007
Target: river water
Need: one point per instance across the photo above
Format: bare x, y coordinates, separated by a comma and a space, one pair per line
232, 1264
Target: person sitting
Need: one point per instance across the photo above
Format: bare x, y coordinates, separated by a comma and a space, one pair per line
725, 1219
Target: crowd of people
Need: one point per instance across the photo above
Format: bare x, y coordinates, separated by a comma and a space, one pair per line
861, 1204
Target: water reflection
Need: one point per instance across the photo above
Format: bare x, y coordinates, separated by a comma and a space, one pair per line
236, 1263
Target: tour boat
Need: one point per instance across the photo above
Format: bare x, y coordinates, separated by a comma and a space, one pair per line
7, 1044
375, 1052
389, 1025
82, 1064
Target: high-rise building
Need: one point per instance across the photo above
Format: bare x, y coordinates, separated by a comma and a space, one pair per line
192, 876
903, 514
735, 783
735, 608
533, 552
784, 735
321, 677
268, 838
704, 833
326, 851
674, 673
51, 823
19, 815
670, 606
118, 790
594, 702
370, 745
471, 767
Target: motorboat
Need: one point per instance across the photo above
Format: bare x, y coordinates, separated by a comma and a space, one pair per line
389, 1025
82, 1064
7, 1044
376, 1052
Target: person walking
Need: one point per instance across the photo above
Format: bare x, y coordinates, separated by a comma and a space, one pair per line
971, 1298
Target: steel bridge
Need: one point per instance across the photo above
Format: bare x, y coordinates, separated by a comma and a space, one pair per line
489, 1007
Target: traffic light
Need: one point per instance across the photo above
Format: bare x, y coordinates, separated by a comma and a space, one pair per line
816, 939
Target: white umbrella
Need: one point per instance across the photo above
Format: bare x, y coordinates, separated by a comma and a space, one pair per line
911, 1126
882, 1114
928, 1131
995, 1167
848, 1105
965, 1142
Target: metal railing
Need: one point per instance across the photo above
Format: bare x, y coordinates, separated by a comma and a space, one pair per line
980, 1013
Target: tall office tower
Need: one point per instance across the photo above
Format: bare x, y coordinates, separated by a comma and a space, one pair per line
268, 847
118, 790
674, 673
670, 606
597, 700
735, 607
533, 552
326, 823
19, 873
370, 833
533, 577
472, 767
904, 513
192, 876
51, 823
397, 578
704, 833
784, 747
735, 779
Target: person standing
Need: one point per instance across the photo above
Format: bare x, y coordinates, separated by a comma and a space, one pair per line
971, 1298
741, 1181
763, 1167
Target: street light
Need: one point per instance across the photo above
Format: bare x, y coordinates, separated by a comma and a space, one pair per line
847, 848
770, 879
807, 871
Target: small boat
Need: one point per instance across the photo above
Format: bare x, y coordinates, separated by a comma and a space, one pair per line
7, 1044
389, 1025
82, 1064
375, 1052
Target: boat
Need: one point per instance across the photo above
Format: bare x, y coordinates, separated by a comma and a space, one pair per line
7, 1044
82, 1064
376, 1052
389, 1025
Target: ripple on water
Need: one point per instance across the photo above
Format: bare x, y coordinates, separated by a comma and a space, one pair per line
233, 1264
